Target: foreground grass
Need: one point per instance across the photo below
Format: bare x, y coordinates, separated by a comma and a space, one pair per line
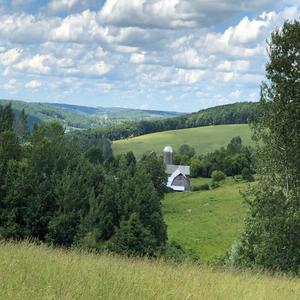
38, 272
208, 222
203, 139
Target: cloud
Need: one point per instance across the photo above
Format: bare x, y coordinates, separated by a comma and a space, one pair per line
80, 28
10, 85
238, 65
56, 6
38, 64
176, 13
24, 28
140, 49
189, 58
137, 58
10, 56
33, 84
98, 69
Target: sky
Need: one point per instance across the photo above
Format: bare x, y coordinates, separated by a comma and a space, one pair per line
178, 55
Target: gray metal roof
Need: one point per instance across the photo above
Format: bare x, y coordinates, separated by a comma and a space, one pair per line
185, 170
173, 176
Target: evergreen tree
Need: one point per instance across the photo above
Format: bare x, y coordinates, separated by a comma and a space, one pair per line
94, 155
7, 118
133, 238
149, 206
155, 168
22, 126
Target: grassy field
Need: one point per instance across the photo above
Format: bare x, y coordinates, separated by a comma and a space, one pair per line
208, 222
203, 139
31, 272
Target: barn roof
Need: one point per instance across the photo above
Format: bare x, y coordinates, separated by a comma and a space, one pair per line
173, 176
185, 170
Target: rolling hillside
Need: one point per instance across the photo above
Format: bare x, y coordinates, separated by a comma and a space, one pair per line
38, 272
207, 222
76, 116
203, 139
117, 113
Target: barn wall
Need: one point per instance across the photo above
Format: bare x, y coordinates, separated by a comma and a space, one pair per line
180, 180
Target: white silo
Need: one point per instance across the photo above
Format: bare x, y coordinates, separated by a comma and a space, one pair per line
168, 152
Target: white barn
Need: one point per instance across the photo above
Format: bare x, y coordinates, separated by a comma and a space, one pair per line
178, 175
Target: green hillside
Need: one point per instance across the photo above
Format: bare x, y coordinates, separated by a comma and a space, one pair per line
203, 139
37, 272
76, 116
208, 222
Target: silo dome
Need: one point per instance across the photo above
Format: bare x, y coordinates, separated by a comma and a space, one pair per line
168, 153
168, 149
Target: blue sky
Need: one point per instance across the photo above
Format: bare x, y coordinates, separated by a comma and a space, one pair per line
180, 55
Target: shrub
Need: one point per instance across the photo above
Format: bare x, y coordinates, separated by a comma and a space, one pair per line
175, 252
203, 187
195, 167
218, 176
215, 185
133, 238
246, 175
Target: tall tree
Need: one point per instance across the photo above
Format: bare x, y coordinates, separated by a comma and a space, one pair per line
271, 238
7, 118
22, 126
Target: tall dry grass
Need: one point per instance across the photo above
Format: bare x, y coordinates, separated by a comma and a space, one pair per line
38, 272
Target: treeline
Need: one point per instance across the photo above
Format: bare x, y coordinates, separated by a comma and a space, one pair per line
238, 113
73, 192
235, 159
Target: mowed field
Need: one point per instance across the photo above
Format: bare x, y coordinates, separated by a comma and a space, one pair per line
37, 272
207, 222
203, 139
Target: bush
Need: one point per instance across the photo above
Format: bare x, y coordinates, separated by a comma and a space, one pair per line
217, 176
132, 238
195, 167
203, 187
186, 150
215, 185
246, 175
175, 252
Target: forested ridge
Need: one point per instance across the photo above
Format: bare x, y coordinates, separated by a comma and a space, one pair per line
237, 113
74, 117
120, 123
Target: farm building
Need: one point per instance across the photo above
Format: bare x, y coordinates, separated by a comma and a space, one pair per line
178, 176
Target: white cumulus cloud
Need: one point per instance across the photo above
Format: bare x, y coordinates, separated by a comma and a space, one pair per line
33, 84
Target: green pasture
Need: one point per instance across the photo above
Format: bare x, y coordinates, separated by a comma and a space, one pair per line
203, 139
208, 222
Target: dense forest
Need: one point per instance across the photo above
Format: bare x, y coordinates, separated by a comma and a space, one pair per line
237, 113
69, 193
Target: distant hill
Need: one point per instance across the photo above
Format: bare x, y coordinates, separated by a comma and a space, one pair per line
237, 113
203, 139
117, 113
83, 117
